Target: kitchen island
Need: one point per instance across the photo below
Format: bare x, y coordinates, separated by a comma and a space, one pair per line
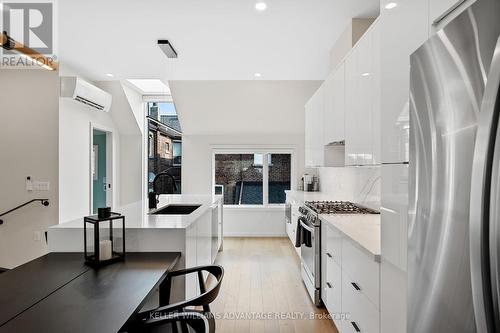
197, 236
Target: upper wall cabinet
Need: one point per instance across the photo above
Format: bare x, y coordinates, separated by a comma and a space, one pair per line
314, 111
334, 106
362, 86
402, 29
376, 89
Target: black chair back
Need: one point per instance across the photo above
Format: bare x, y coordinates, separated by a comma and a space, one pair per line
206, 296
171, 314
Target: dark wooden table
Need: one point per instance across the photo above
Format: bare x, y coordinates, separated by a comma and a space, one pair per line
57, 293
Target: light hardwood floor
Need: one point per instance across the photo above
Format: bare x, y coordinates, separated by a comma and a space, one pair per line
262, 280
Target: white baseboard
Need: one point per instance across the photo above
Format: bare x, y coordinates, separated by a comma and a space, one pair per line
254, 235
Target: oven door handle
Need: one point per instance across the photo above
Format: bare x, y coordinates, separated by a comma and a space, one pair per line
305, 226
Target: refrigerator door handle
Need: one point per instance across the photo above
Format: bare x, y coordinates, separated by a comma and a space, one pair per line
480, 199
494, 231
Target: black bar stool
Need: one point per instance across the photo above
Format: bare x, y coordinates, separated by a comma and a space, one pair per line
167, 317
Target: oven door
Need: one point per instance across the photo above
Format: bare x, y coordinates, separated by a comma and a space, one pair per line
307, 253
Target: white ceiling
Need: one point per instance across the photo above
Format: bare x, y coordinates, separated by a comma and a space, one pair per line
215, 40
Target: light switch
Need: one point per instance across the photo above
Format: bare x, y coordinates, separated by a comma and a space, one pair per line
29, 184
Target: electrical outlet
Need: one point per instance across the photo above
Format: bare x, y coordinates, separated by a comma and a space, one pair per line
37, 236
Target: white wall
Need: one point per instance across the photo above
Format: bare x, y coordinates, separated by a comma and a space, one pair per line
74, 161
348, 38
28, 147
74, 141
356, 184
242, 107
127, 112
229, 114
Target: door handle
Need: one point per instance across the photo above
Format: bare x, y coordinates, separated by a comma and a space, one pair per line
305, 226
329, 255
329, 285
356, 327
480, 198
356, 286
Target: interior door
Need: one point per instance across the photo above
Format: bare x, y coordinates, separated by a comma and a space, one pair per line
99, 170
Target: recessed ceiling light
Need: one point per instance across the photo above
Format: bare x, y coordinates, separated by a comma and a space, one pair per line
257, 75
261, 6
391, 5
365, 74
109, 75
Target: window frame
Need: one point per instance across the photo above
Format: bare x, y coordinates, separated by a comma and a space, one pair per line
173, 154
265, 171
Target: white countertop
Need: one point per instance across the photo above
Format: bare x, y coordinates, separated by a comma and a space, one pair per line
137, 217
363, 229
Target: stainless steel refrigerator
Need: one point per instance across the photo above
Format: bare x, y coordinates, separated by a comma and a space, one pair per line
454, 198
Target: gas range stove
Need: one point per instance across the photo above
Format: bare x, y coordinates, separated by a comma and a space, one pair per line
338, 207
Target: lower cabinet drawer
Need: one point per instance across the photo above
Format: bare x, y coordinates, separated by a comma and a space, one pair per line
334, 243
361, 314
334, 291
363, 269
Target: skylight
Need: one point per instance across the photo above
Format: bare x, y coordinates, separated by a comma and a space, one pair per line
150, 86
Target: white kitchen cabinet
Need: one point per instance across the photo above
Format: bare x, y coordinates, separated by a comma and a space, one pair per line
350, 282
314, 112
364, 113
204, 240
334, 107
191, 280
324, 264
333, 283
351, 108
363, 314
291, 228
393, 298
394, 214
363, 270
375, 89
362, 84
402, 30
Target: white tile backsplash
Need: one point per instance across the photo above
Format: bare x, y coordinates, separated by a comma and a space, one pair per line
357, 184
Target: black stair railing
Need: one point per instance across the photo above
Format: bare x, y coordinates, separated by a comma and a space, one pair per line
44, 202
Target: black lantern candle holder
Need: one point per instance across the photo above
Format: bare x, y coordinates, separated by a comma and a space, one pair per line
105, 246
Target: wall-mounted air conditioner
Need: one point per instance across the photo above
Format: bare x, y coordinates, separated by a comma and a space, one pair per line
85, 92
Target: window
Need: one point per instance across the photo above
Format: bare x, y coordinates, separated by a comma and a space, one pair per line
151, 145
164, 144
177, 152
258, 178
165, 113
279, 177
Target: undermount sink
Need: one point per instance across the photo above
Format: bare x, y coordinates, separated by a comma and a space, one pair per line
177, 209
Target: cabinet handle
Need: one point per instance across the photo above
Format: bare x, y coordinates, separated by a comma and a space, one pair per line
355, 285
329, 255
328, 284
356, 327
